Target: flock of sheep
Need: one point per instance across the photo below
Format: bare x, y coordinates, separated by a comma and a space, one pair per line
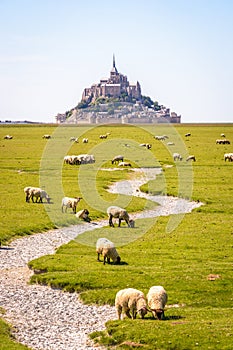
128, 301
131, 301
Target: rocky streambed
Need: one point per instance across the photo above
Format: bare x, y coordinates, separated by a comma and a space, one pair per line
50, 319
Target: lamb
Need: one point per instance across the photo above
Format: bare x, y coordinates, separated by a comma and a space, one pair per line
157, 298
177, 156
38, 193
69, 202
121, 214
108, 250
130, 301
83, 214
117, 159
124, 164
192, 157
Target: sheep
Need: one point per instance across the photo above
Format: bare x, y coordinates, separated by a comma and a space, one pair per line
192, 157
161, 138
121, 214
85, 140
108, 250
75, 139
124, 164
177, 156
130, 301
228, 156
188, 134
170, 144
117, 159
38, 193
103, 136
8, 137
46, 137
27, 192
69, 202
223, 142
223, 135
147, 145
83, 214
157, 299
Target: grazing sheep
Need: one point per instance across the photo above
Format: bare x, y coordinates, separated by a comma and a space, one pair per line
8, 137
117, 159
223, 135
188, 134
121, 214
124, 164
192, 157
68, 202
38, 193
130, 301
85, 140
161, 138
223, 142
147, 145
170, 144
228, 156
103, 136
27, 192
108, 250
157, 298
75, 139
83, 214
177, 156
46, 137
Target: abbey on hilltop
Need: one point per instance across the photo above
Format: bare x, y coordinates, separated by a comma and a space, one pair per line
115, 86
115, 100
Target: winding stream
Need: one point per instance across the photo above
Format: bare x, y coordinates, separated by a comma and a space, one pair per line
49, 319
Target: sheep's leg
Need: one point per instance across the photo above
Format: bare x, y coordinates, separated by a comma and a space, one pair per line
98, 256
119, 224
74, 209
128, 313
119, 311
110, 221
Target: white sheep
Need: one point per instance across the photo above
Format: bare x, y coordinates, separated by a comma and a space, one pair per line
27, 192
108, 250
118, 159
38, 193
188, 134
228, 156
103, 136
85, 140
121, 214
130, 301
47, 137
83, 214
69, 202
124, 164
8, 137
157, 299
147, 145
177, 156
192, 157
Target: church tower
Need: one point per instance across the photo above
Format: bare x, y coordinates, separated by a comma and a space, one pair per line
114, 71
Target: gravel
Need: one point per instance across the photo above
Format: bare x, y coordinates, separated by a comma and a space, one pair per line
50, 319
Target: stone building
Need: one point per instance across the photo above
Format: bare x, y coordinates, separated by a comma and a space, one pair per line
114, 86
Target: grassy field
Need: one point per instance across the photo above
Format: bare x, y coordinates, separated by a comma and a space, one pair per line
179, 258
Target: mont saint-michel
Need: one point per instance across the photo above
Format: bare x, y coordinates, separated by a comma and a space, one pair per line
116, 100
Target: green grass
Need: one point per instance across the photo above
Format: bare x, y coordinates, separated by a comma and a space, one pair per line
152, 253
6, 339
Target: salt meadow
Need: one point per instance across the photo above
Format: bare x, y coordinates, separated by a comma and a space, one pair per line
181, 261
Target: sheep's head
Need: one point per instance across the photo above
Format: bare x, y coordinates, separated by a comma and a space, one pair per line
142, 312
118, 260
159, 313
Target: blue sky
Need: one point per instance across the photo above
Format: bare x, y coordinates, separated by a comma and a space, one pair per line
180, 51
